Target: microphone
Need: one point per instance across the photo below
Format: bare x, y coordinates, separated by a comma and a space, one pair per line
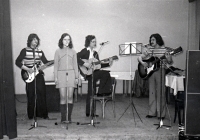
34, 53
103, 43
146, 45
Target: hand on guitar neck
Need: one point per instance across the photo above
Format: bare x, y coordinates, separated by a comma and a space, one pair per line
109, 60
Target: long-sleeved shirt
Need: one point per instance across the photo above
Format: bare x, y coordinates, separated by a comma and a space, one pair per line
26, 57
65, 59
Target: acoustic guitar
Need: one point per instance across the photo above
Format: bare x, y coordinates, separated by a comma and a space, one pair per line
145, 73
95, 65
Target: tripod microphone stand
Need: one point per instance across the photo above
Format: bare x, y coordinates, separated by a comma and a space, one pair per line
35, 124
93, 104
131, 77
68, 91
67, 122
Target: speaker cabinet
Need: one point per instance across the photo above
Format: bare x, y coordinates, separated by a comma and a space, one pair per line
53, 97
192, 102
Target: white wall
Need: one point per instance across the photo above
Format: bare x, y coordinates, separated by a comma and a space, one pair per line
117, 21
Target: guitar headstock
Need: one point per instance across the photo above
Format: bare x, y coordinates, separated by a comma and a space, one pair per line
176, 51
115, 57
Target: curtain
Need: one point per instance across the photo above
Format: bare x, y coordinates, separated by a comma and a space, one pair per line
8, 123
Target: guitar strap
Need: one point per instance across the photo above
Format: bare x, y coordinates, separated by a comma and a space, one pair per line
39, 63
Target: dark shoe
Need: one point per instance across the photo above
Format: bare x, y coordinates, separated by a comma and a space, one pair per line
149, 116
104, 94
87, 115
47, 118
30, 118
161, 118
95, 115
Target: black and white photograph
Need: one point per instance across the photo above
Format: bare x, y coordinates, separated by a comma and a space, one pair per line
100, 69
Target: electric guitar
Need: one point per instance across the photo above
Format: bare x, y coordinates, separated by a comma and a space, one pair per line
145, 73
96, 65
29, 77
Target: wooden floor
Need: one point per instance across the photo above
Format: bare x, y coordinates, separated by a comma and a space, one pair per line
129, 126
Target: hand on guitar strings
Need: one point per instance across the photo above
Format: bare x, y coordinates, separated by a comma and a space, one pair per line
30, 70
87, 65
110, 61
168, 57
146, 65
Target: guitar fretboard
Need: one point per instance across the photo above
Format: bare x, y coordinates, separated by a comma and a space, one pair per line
46, 65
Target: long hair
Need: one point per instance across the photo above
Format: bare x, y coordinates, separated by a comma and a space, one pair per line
158, 38
30, 39
88, 40
60, 42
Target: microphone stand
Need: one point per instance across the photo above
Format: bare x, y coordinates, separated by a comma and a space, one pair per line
35, 124
93, 104
67, 122
162, 75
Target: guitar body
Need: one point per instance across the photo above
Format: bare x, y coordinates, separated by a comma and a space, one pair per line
88, 71
96, 65
29, 77
145, 73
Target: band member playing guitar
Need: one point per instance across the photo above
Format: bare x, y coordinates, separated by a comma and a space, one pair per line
29, 57
88, 53
156, 49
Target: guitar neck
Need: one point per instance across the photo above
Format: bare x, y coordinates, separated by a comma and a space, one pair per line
99, 62
158, 59
46, 65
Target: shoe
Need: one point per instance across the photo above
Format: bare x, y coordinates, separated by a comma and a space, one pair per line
149, 116
30, 118
104, 94
47, 118
66, 122
87, 115
63, 125
95, 115
161, 118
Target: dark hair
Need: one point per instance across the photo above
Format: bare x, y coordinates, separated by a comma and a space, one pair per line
30, 39
158, 38
88, 40
60, 42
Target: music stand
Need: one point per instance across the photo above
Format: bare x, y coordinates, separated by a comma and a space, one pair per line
130, 49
